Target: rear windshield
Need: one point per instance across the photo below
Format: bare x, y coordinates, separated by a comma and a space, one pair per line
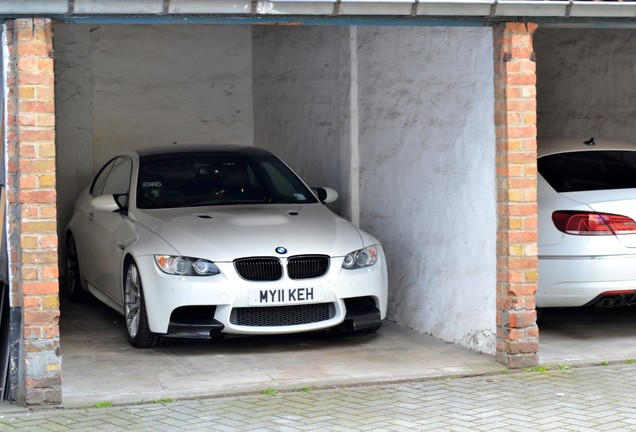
589, 170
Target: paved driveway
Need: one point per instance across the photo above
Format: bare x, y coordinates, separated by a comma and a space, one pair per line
99, 365
598, 398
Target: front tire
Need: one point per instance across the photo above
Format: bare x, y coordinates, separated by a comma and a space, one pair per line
74, 286
139, 334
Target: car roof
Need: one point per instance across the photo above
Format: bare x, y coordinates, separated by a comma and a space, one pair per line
198, 148
547, 146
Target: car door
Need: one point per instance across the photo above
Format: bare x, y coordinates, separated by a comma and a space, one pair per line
104, 231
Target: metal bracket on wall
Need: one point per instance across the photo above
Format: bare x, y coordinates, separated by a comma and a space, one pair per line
336, 7
493, 8
414, 8
166, 7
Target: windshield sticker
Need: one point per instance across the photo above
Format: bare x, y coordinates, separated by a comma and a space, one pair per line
299, 196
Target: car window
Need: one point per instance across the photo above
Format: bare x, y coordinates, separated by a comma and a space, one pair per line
118, 181
100, 179
282, 182
217, 178
589, 170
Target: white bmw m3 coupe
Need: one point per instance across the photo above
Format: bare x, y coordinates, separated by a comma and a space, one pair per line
587, 228
205, 241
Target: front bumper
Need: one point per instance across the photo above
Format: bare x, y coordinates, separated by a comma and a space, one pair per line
217, 301
358, 318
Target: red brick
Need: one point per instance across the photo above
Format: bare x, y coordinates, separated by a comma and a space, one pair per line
37, 196
39, 226
39, 288
37, 135
525, 236
39, 257
26, 150
523, 209
50, 272
29, 241
51, 332
28, 182
520, 347
47, 241
48, 211
40, 317
37, 77
523, 183
37, 166
522, 290
27, 119
518, 319
29, 273
37, 106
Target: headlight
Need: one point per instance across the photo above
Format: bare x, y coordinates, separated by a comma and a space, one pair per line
361, 258
186, 266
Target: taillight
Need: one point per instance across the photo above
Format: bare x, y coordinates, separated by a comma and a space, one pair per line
589, 223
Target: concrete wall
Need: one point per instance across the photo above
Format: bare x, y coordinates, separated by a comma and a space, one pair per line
585, 83
299, 102
74, 117
418, 111
128, 86
428, 178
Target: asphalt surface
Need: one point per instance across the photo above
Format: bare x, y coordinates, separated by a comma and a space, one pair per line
591, 398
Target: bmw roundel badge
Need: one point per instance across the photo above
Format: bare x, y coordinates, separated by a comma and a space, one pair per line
281, 250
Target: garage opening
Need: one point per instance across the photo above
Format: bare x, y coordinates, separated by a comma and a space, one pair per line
585, 89
397, 119
400, 125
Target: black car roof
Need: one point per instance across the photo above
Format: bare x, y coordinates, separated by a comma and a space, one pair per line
203, 148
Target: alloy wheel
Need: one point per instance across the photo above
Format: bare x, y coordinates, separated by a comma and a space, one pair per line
132, 299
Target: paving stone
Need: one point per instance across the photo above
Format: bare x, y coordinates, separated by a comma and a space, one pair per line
585, 399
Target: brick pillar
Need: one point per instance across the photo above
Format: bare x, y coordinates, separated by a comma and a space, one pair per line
32, 215
517, 264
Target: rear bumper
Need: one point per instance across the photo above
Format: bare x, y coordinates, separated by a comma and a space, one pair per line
578, 281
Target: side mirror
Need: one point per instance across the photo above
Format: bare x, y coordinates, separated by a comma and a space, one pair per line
109, 203
326, 195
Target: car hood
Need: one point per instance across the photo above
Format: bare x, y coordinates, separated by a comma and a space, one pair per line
229, 232
615, 201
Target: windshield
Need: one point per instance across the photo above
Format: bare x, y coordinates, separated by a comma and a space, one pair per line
589, 170
216, 178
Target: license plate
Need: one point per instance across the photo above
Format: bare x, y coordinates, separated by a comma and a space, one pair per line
285, 296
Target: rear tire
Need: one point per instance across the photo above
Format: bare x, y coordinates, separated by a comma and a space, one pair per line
74, 284
139, 334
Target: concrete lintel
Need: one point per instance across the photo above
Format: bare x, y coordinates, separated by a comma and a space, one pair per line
492, 9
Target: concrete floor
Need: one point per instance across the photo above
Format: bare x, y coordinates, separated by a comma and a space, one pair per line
99, 365
577, 336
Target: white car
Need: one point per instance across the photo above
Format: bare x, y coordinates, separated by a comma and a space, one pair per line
205, 241
587, 228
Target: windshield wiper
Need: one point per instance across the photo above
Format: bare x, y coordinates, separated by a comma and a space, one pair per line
222, 202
